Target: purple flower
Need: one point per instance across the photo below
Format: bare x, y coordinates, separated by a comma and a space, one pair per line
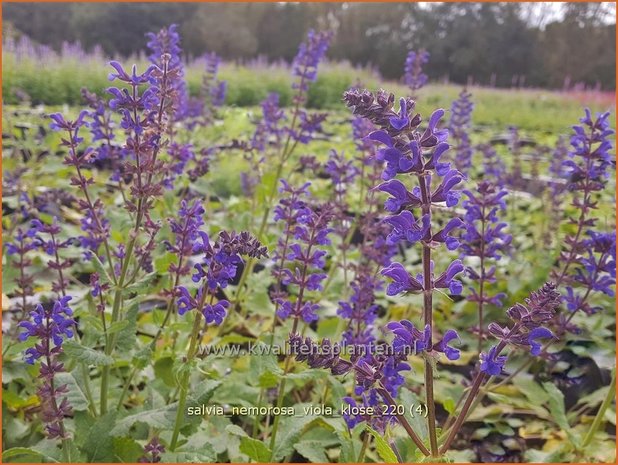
443, 346
402, 280
185, 230
486, 239
537, 333
494, 169
152, 451
414, 77
308, 57
492, 363
300, 263
50, 325
165, 53
218, 267
459, 126
447, 279
268, 128
53, 247
529, 320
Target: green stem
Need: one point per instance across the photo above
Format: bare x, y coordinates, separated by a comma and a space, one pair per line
361, 455
183, 385
280, 395
598, 420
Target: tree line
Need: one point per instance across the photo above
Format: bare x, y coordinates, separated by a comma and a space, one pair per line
500, 44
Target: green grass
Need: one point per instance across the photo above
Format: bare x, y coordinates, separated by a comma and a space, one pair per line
531, 110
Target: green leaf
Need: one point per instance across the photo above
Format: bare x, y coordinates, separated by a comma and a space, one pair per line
159, 418
449, 405
314, 451
86, 355
23, 453
236, 431
256, 450
117, 326
206, 454
75, 396
98, 445
100, 268
163, 369
127, 450
384, 450
347, 452
556, 408
126, 339
141, 285
290, 430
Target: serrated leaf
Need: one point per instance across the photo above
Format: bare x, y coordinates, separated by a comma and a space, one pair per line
75, 396
117, 326
101, 270
290, 428
384, 450
98, 444
86, 355
126, 339
159, 418
141, 285
256, 450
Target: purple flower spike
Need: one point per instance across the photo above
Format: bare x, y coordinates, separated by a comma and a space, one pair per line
218, 267
50, 325
414, 77
459, 125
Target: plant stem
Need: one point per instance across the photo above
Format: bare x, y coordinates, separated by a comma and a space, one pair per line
184, 389
404, 421
424, 181
281, 388
598, 419
482, 279
361, 455
474, 390
464, 411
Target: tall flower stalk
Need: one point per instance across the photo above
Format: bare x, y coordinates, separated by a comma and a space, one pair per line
414, 77
302, 127
459, 127
486, 240
409, 151
307, 261
218, 266
51, 326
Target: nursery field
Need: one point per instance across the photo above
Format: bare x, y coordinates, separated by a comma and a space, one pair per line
210, 262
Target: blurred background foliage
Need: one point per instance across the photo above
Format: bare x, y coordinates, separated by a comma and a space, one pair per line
501, 44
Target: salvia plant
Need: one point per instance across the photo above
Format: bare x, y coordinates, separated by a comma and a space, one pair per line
190, 282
